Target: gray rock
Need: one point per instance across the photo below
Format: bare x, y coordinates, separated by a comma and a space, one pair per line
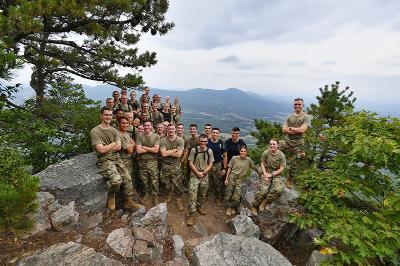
54, 206
316, 258
156, 252
64, 216
69, 254
244, 226
194, 242
177, 242
95, 233
91, 221
121, 241
226, 249
41, 222
141, 251
45, 198
156, 216
199, 229
137, 216
78, 180
143, 234
273, 221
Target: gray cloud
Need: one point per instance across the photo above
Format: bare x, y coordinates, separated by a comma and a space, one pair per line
230, 59
208, 24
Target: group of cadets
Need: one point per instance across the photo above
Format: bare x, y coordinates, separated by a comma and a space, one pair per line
145, 140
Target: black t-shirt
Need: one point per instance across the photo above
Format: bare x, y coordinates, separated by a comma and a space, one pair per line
218, 149
233, 149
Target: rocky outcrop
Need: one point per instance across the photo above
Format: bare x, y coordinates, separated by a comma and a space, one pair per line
273, 221
226, 249
64, 216
121, 241
242, 225
78, 180
69, 254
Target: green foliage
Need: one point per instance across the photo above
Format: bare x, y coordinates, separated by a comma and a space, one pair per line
57, 130
17, 191
356, 199
90, 39
332, 106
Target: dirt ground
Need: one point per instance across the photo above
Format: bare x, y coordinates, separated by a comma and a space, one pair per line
14, 248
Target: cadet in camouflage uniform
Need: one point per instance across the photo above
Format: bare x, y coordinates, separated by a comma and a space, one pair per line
292, 145
272, 164
147, 147
200, 162
238, 168
171, 174
190, 143
180, 132
106, 142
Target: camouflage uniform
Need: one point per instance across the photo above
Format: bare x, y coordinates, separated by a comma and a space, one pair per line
293, 145
217, 180
198, 187
111, 166
171, 172
148, 164
239, 169
271, 190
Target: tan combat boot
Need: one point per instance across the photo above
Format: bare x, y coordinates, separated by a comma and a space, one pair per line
130, 205
262, 206
233, 211
190, 219
201, 210
228, 211
254, 211
111, 201
179, 204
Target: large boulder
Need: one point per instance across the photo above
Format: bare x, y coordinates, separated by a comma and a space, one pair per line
69, 254
121, 241
226, 249
273, 221
78, 180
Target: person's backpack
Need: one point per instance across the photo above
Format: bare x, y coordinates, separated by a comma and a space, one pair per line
196, 152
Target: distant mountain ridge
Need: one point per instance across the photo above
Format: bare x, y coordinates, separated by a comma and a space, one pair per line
222, 108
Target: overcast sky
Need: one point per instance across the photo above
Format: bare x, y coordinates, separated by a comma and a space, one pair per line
281, 47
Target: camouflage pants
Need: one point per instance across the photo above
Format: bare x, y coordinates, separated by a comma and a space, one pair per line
197, 191
171, 177
115, 172
148, 173
294, 153
270, 191
233, 190
217, 180
128, 165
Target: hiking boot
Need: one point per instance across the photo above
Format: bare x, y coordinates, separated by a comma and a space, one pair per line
201, 210
233, 211
179, 204
111, 201
228, 211
262, 205
130, 205
289, 183
254, 211
155, 200
190, 219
